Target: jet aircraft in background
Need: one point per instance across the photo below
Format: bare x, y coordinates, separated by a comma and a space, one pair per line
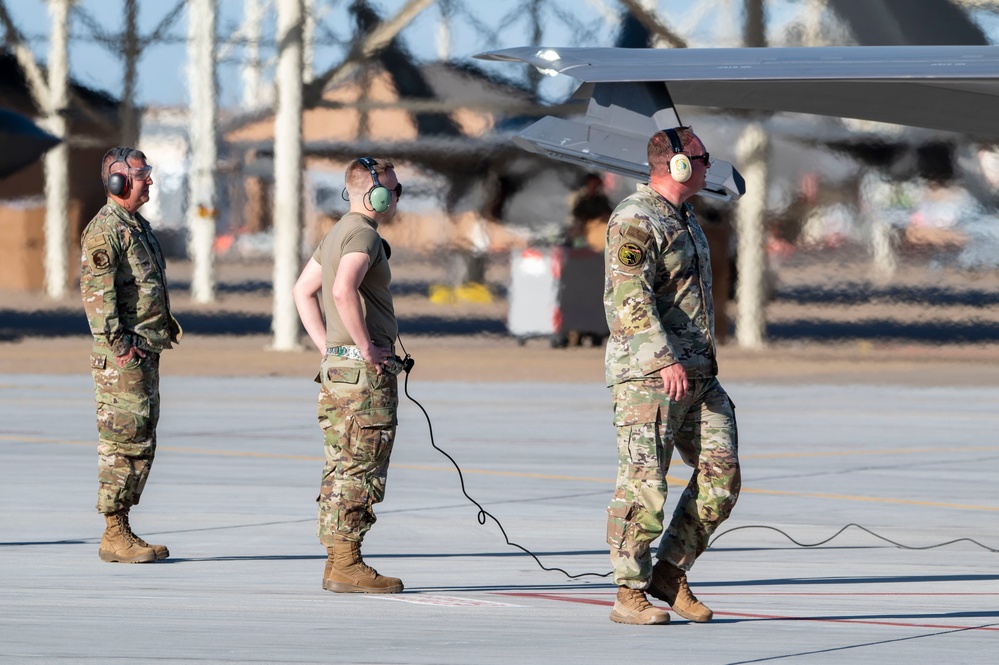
631, 93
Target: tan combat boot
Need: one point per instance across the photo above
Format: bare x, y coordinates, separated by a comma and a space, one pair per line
349, 574
329, 565
669, 584
161, 550
631, 606
119, 544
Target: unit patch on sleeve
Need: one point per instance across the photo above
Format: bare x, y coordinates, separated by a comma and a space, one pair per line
100, 259
98, 252
631, 254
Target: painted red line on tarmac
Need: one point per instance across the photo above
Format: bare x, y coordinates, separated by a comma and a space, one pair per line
844, 593
567, 599
772, 617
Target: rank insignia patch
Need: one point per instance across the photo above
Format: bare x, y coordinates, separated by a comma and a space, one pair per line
631, 254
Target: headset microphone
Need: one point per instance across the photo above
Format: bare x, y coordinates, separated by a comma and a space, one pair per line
679, 163
379, 196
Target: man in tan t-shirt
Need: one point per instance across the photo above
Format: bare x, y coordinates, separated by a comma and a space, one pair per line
359, 396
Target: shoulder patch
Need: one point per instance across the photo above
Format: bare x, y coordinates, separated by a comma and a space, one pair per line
636, 233
631, 254
100, 259
95, 241
98, 253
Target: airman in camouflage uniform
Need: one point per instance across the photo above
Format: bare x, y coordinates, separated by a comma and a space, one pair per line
124, 289
359, 397
661, 369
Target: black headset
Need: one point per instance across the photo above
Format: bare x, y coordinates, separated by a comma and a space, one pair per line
379, 197
118, 183
679, 163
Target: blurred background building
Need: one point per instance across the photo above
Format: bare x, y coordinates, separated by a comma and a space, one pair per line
857, 214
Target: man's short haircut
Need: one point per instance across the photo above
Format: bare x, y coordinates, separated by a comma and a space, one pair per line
358, 177
661, 151
118, 154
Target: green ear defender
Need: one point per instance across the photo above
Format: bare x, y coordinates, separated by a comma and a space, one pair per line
379, 197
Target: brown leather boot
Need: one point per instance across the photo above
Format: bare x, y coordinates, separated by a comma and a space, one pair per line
631, 606
119, 544
669, 584
349, 574
161, 550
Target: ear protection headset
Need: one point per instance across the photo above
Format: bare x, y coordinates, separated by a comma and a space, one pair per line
379, 197
679, 163
118, 183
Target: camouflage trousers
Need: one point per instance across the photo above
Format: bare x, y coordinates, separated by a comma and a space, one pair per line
357, 414
128, 408
702, 428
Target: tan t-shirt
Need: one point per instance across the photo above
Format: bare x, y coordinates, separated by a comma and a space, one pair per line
358, 233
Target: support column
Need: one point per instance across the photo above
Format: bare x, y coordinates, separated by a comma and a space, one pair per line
129, 117
253, 13
202, 198
752, 149
56, 162
287, 176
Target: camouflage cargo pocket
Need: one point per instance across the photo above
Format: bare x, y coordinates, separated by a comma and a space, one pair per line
105, 374
635, 414
371, 435
618, 514
343, 374
122, 422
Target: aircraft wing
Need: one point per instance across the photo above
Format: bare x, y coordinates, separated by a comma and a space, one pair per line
632, 92
21, 142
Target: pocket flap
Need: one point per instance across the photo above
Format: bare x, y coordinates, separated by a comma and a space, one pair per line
98, 361
343, 374
384, 417
635, 414
620, 509
134, 405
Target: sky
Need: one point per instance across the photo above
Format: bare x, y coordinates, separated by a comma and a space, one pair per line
162, 67
475, 26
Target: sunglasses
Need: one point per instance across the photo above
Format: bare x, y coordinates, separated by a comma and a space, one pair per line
706, 157
398, 191
141, 174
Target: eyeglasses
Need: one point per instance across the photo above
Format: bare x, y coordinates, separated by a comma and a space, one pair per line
706, 157
141, 174
398, 191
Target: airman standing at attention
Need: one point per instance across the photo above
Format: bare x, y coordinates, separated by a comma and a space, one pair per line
124, 287
661, 369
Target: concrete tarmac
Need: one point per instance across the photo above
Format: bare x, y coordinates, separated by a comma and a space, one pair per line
232, 493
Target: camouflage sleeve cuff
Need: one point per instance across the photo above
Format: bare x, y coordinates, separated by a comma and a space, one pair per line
653, 366
121, 346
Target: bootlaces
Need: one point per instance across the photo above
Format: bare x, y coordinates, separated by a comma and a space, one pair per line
126, 529
638, 597
366, 568
684, 589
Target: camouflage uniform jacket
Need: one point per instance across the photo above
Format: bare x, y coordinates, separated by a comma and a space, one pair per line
123, 281
657, 290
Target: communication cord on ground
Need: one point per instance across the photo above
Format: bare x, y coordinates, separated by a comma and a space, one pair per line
408, 364
848, 526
